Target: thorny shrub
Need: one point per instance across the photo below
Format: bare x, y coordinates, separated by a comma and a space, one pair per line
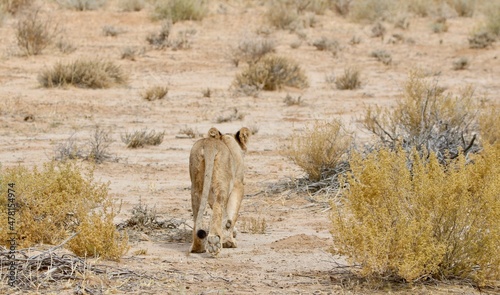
428, 119
320, 148
404, 216
84, 73
57, 200
272, 73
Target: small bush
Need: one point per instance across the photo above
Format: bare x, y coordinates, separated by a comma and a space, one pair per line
320, 149
155, 93
59, 199
64, 46
272, 73
129, 53
82, 5
382, 56
131, 5
378, 30
290, 100
99, 142
179, 10
440, 25
251, 50
481, 40
420, 221
69, 150
324, 44
464, 8
350, 80
190, 132
14, 6
139, 139
111, 31
427, 119
85, 73
34, 33
371, 10
461, 64
279, 15
233, 115
342, 7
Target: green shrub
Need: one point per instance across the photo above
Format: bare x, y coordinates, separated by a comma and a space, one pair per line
57, 200
179, 10
272, 73
320, 149
427, 118
87, 73
34, 33
421, 220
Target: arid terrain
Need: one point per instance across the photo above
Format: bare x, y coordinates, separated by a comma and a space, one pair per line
291, 255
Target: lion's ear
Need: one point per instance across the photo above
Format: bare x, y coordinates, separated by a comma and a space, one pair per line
214, 133
242, 137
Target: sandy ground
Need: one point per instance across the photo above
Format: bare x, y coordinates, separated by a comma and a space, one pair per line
291, 256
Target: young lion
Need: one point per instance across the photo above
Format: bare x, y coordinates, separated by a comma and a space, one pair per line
216, 169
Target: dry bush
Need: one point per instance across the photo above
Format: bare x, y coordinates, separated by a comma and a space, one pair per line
461, 64
34, 32
233, 115
410, 218
129, 53
14, 6
489, 120
190, 132
64, 46
59, 199
143, 217
342, 7
325, 44
179, 10
155, 93
251, 50
291, 101
428, 119
131, 5
464, 8
481, 39
82, 5
280, 15
320, 148
272, 73
351, 79
440, 25
422, 8
111, 31
371, 10
99, 143
69, 150
492, 21
160, 40
83, 73
382, 56
141, 138
378, 30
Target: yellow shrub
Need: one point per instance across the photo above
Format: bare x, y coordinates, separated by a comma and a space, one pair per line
54, 201
320, 148
489, 120
413, 218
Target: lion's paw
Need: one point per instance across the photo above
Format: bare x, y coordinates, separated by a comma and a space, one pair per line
214, 245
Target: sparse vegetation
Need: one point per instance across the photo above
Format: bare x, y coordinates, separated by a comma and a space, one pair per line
129, 53
290, 100
440, 25
83, 73
99, 143
409, 218
378, 30
351, 79
14, 6
34, 32
56, 200
69, 150
464, 8
82, 5
426, 118
251, 50
371, 10
272, 73
253, 225
461, 64
382, 56
155, 93
481, 39
139, 139
325, 44
179, 10
489, 121
281, 16
132, 5
190, 132
492, 23
320, 148
233, 115
111, 31
143, 217
342, 7
162, 39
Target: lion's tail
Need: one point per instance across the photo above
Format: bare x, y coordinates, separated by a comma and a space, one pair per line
210, 154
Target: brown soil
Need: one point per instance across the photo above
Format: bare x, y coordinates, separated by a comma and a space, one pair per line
292, 255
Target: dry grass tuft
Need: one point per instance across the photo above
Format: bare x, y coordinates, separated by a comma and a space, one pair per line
291, 101
82, 5
349, 80
481, 39
382, 56
85, 73
155, 93
251, 50
34, 32
179, 10
233, 115
139, 139
320, 148
272, 73
461, 64
131, 5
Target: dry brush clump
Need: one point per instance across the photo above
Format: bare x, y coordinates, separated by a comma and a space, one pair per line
407, 217
351, 79
139, 139
272, 73
427, 118
155, 93
57, 200
34, 32
82, 5
179, 10
320, 149
251, 50
83, 73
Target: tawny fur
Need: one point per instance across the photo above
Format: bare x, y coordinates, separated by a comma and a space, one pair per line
217, 176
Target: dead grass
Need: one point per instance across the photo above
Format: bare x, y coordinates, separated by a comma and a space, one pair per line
383, 56
15, 6
251, 50
179, 10
461, 64
34, 32
481, 39
142, 138
155, 93
83, 73
82, 5
233, 115
291, 101
132, 5
351, 79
